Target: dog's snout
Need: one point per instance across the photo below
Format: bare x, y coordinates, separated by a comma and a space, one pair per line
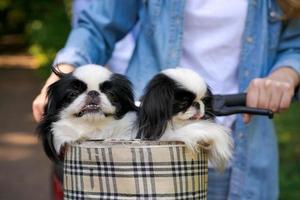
93, 93
196, 105
93, 97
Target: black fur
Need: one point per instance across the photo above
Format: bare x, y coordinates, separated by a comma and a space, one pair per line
45, 133
163, 98
183, 99
207, 100
60, 94
155, 110
63, 92
119, 91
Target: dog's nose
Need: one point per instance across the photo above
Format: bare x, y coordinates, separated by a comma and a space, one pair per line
196, 105
93, 93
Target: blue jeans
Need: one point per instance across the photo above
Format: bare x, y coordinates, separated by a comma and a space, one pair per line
218, 184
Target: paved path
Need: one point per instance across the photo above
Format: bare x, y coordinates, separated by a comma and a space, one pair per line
24, 169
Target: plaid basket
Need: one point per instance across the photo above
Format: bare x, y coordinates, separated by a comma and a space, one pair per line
134, 170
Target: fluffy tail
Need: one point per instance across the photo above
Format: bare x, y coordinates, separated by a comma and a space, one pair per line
217, 137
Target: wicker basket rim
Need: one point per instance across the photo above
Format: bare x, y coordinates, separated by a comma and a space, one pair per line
131, 144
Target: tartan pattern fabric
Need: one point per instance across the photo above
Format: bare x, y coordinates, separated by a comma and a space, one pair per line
126, 171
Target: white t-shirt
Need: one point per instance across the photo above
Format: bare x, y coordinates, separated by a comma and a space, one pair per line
211, 43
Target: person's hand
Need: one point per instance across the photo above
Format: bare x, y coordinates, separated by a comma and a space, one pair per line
274, 92
40, 101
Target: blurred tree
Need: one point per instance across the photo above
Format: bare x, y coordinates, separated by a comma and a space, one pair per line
44, 25
47, 34
12, 16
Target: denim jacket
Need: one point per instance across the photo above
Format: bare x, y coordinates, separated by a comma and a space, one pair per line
268, 43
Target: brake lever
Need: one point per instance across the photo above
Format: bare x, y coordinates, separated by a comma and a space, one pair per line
223, 105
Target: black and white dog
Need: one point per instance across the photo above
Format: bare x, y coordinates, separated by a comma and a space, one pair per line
94, 103
175, 107
89, 103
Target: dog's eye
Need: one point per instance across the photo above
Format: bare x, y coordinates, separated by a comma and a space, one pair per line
183, 105
78, 85
113, 97
105, 86
73, 94
185, 99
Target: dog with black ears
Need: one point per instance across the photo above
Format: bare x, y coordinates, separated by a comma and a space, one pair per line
176, 107
89, 103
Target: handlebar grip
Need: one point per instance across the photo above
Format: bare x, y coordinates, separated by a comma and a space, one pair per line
223, 105
246, 110
234, 99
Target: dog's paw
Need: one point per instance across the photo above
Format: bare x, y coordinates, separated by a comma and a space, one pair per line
216, 139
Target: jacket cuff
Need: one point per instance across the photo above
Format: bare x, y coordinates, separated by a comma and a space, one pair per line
291, 60
71, 56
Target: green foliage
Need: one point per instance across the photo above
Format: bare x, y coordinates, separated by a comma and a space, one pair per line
288, 129
13, 16
47, 33
44, 24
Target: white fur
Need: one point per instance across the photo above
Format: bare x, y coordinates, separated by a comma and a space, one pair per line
191, 111
76, 129
92, 75
206, 133
193, 132
93, 125
188, 79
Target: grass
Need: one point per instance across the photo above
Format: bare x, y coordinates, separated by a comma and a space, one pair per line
288, 130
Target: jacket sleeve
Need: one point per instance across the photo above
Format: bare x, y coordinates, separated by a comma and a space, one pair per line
99, 27
289, 48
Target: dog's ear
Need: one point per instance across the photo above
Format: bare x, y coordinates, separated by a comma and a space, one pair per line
51, 108
54, 92
123, 91
207, 100
156, 108
44, 128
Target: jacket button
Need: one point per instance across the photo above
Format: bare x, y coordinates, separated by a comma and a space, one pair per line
273, 14
249, 39
240, 135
